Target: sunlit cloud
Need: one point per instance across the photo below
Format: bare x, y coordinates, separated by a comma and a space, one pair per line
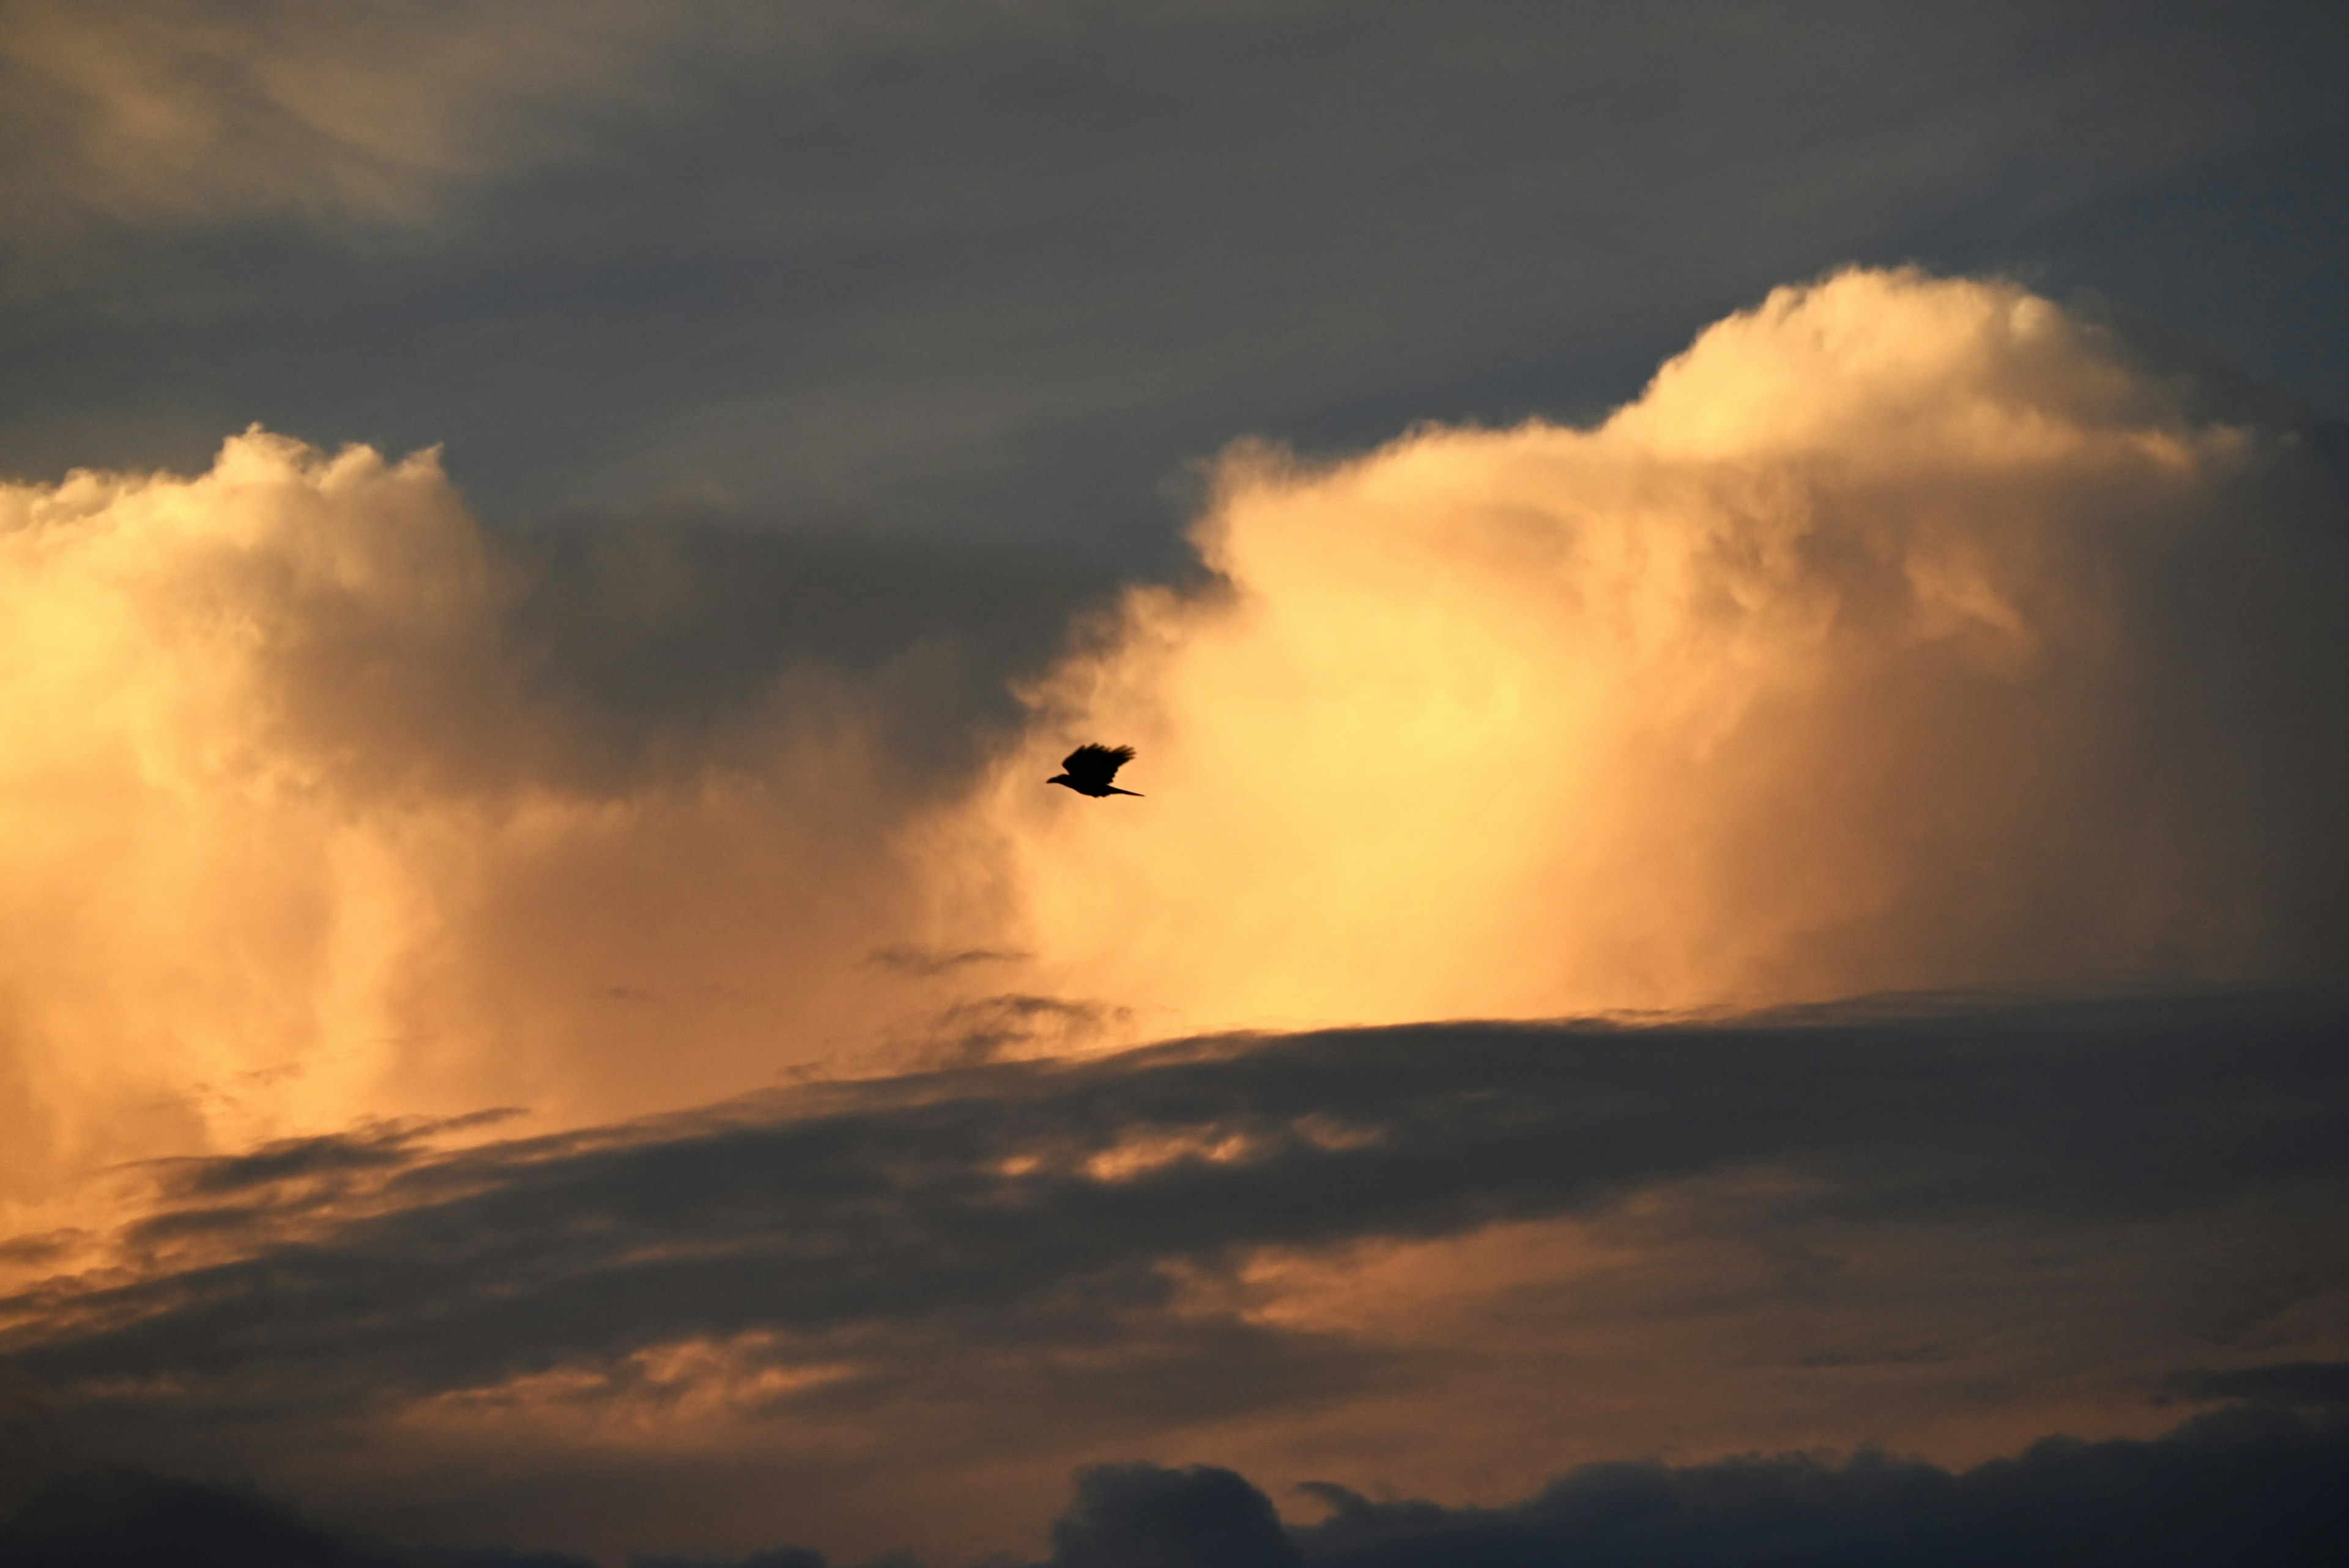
298, 831
391, 906
1904, 633
1732, 937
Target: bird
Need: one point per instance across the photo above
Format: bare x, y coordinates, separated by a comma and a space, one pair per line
1090, 769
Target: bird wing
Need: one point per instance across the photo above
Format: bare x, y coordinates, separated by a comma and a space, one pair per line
1096, 764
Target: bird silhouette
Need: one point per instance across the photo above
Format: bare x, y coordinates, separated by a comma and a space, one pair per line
1090, 769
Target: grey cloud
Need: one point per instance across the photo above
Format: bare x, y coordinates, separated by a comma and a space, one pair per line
2243, 1486
1003, 282
128, 1519
989, 1026
926, 961
666, 628
902, 1225
2313, 1384
1138, 1514
146, 112
780, 1557
41, 1247
382, 1147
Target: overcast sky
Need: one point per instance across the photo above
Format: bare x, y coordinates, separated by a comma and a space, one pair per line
1004, 269
1732, 947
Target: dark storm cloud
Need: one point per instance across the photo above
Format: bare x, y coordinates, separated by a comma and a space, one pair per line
1005, 276
958, 1235
2241, 1486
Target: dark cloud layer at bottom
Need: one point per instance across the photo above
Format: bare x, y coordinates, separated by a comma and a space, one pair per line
2246, 1485
873, 1312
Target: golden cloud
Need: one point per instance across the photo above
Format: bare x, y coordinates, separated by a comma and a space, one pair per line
291, 840
1904, 633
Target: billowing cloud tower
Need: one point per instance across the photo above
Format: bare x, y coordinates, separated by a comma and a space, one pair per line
1904, 633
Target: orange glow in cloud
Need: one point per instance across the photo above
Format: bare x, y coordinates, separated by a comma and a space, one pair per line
1903, 634
289, 842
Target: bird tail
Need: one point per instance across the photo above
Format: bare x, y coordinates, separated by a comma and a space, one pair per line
1115, 791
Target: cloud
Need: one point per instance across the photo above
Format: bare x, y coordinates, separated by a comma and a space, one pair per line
2240, 1486
162, 112
2316, 1383
318, 803
152, 110
116, 1519
1373, 1256
1130, 1514
1905, 633
1002, 267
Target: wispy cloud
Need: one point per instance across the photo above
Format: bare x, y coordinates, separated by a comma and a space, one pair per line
158, 112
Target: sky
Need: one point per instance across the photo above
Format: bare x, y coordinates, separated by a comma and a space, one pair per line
1735, 621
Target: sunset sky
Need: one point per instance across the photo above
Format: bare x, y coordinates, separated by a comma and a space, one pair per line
1735, 943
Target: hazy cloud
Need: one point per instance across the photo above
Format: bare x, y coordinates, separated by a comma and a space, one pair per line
148, 109
162, 111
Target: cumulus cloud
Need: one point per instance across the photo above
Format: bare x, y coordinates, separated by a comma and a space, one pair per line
318, 803
1905, 633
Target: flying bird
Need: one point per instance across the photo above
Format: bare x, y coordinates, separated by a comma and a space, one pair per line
1090, 769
